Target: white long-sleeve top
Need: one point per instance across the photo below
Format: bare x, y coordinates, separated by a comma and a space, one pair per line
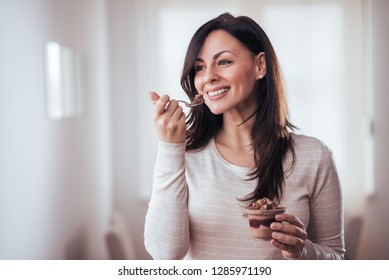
194, 211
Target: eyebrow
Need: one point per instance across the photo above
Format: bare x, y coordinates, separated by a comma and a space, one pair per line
215, 56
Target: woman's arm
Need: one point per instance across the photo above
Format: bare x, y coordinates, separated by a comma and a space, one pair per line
167, 226
323, 238
326, 229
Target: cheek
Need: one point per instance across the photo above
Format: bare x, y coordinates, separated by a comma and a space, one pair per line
238, 77
248, 80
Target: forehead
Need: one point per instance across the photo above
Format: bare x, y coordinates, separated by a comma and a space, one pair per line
220, 40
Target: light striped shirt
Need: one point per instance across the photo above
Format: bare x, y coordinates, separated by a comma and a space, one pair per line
194, 211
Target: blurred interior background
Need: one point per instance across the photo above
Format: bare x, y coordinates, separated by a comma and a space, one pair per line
77, 142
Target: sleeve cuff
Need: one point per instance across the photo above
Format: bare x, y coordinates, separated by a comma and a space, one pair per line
170, 155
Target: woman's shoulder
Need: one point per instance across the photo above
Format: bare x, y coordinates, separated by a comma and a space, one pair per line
302, 139
310, 146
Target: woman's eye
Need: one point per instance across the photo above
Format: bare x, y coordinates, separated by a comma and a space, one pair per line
199, 68
224, 62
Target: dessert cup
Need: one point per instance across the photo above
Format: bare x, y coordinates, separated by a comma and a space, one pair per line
260, 220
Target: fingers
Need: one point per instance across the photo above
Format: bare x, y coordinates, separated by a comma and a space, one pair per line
290, 248
289, 239
177, 112
289, 235
292, 219
168, 108
169, 119
289, 225
161, 105
154, 96
289, 251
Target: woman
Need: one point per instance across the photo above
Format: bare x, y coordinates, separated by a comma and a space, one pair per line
234, 149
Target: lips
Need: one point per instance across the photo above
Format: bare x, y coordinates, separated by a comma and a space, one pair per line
217, 92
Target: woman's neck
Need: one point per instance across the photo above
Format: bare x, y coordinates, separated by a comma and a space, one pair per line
234, 141
236, 128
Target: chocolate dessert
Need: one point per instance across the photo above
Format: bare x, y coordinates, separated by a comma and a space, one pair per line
261, 214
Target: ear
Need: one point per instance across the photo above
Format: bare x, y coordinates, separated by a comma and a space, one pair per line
260, 62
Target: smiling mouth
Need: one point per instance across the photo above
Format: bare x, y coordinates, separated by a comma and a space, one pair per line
217, 92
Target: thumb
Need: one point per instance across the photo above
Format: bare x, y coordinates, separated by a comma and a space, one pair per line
154, 96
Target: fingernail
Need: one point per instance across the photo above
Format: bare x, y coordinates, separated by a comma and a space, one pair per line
279, 217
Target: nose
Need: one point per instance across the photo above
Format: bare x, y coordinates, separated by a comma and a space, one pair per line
210, 75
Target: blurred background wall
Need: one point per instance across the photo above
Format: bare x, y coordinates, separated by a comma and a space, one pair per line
373, 244
55, 175
61, 180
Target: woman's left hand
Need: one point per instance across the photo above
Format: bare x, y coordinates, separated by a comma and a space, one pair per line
289, 235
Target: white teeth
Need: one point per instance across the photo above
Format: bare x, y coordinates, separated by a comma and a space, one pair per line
217, 92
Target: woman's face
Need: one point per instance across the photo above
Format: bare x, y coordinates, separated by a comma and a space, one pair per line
226, 73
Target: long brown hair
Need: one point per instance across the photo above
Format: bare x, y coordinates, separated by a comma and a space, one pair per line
270, 131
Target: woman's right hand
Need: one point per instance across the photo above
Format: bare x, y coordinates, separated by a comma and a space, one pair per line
169, 119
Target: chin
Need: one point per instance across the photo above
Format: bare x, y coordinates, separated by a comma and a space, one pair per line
216, 110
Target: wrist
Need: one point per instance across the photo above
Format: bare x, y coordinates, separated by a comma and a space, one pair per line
294, 256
